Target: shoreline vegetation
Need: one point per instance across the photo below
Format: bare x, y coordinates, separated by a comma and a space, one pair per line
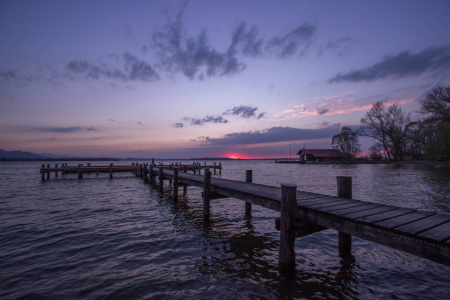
402, 162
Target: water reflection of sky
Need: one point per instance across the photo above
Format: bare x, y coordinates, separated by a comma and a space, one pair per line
120, 238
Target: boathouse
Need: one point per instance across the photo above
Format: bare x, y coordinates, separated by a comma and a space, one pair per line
319, 155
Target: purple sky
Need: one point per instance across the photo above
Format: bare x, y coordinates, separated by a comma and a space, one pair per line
177, 79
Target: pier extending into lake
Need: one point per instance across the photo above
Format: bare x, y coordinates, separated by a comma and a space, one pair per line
421, 233
134, 168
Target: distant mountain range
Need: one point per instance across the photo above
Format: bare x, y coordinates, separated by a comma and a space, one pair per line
19, 155
25, 155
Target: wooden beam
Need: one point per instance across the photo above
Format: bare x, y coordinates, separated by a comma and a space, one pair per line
302, 227
248, 205
286, 258
161, 179
344, 190
206, 197
175, 184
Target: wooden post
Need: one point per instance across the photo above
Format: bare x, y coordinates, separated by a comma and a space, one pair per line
146, 180
110, 170
214, 168
161, 179
185, 169
206, 196
175, 184
170, 168
48, 173
80, 173
56, 171
248, 205
286, 259
344, 190
220, 168
153, 161
43, 172
150, 175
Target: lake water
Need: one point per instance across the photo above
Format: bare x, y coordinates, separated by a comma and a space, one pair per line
99, 238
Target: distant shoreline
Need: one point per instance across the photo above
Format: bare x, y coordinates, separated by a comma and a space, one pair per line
418, 162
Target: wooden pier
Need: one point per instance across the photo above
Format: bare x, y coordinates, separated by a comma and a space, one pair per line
135, 168
287, 161
421, 233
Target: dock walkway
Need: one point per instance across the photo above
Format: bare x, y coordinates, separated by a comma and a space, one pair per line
421, 233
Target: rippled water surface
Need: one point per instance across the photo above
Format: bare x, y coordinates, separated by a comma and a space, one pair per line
99, 238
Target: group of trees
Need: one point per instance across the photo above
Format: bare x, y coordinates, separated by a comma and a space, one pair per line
396, 135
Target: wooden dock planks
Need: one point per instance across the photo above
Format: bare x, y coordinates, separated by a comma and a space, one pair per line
425, 234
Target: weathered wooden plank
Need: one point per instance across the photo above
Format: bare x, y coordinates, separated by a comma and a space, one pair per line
440, 233
423, 224
356, 209
402, 220
384, 216
318, 200
369, 212
343, 206
336, 202
312, 197
414, 245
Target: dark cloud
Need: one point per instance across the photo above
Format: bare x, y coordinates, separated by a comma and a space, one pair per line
132, 69
207, 119
287, 45
192, 55
244, 112
196, 58
322, 111
246, 42
67, 129
404, 64
13, 76
340, 46
61, 129
274, 134
178, 125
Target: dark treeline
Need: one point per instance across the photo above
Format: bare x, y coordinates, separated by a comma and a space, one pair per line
397, 136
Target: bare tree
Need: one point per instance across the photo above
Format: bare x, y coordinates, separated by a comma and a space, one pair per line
436, 106
388, 125
398, 122
375, 151
347, 141
375, 125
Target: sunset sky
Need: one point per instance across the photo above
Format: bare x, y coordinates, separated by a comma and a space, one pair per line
182, 79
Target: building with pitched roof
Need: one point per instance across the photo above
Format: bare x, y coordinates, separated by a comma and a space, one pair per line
319, 155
